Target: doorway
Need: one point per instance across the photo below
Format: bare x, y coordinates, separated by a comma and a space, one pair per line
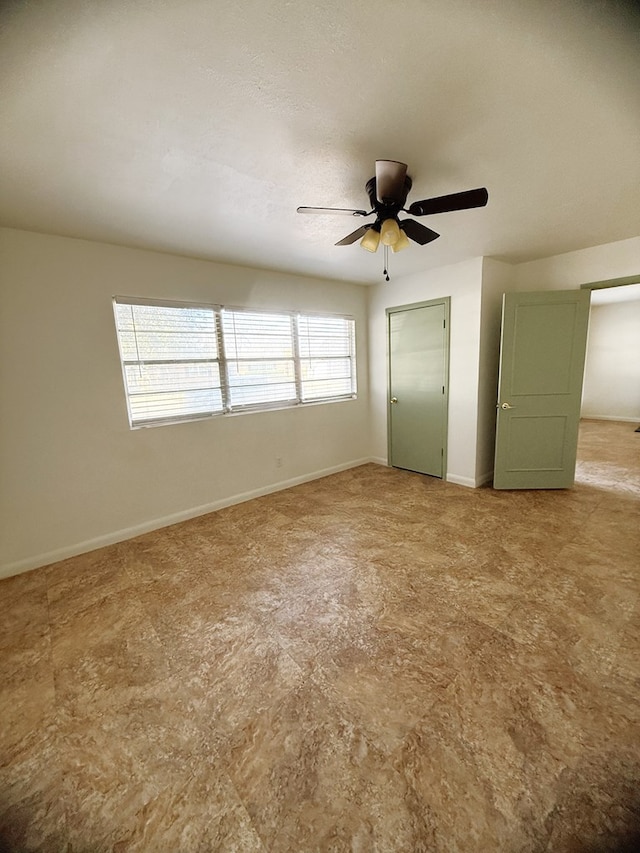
418, 347
612, 370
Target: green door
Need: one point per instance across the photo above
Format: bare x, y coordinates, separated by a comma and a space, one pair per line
544, 336
418, 367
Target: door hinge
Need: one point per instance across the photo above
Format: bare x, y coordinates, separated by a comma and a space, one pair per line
443, 389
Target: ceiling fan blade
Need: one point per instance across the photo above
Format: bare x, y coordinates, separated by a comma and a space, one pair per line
446, 203
355, 235
345, 211
390, 181
418, 232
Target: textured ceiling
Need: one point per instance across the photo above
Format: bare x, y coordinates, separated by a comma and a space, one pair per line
199, 127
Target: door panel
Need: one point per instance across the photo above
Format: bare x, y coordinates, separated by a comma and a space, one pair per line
542, 333
418, 358
544, 338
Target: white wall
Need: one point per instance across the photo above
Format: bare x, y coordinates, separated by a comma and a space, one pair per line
612, 373
462, 282
72, 474
598, 263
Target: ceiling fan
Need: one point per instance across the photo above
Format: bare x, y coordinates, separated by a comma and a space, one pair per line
387, 192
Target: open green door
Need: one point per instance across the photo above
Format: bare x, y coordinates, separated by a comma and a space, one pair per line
544, 336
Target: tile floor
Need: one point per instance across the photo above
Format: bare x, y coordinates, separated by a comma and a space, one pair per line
375, 661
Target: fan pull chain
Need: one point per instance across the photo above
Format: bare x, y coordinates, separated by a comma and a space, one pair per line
385, 271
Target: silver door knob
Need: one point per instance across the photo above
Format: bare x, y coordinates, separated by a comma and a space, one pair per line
394, 400
506, 406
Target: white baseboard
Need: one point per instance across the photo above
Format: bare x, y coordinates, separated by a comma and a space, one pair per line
461, 481
379, 460
610, 418
36, 561
449, 478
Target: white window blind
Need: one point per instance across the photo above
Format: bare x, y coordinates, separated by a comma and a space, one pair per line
259, 353
170, 361
183, 361
327, 353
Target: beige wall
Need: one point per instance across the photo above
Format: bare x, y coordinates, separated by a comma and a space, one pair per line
598, 263
463, 283
612, 372
73, 475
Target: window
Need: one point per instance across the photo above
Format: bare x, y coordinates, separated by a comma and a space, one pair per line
260, 358
170, 361
183, 361
326, 357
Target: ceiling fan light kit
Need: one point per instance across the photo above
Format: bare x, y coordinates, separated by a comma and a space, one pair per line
387, 192
389, 232
371, 240
401, 243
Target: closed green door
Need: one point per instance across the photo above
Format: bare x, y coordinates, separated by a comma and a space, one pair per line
418, 359
544, 337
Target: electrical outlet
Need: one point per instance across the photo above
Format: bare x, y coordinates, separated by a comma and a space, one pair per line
278, 461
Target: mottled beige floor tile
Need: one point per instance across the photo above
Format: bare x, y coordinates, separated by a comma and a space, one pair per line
27, 700
328, 602
615, 530
184, 557
592, 624
596, 561
614, 479
375, 660
79, 582
457, 801
389, 680
32, 806
205, 814
544, 683
529, 722
229, 671
121, 753
24, 612
484, 760
312, 781
481, 597
598, 807
109, 646
27, 696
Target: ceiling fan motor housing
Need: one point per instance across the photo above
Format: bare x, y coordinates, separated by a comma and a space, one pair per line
391, 209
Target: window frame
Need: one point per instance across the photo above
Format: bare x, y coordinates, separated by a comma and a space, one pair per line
223, 360
239, 408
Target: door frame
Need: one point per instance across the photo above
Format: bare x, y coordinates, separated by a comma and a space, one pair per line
429, 303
